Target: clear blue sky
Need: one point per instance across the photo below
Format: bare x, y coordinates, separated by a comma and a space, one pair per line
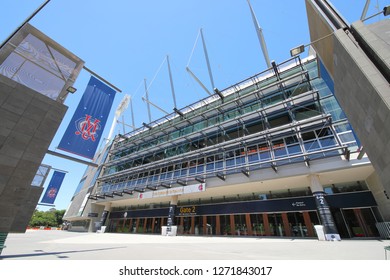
127, 41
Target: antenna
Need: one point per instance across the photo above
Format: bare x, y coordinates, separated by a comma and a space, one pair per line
260, 36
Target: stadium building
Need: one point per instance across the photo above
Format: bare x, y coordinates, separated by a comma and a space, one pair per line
245, 161
273, 155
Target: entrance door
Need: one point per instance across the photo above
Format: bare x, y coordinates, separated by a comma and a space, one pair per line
258, 228
157, 225
224, 225
211, 225
187, 225
276, 224
360, 222
199, 225
148, 225
240, 225
297, 224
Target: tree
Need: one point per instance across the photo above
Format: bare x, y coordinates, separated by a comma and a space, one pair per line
51, 218
59, 214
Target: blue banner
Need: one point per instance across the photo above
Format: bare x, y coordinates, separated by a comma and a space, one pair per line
84, 131
53, 187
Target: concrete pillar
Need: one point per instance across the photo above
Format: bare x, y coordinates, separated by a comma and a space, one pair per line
267, 228
171, 213
105, 214
286, 224
248, 224
315, 184
232, 225
308, 224
380, 195
327, 220
95, 223
217, 225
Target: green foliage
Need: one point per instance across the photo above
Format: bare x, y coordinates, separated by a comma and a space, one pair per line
51, 218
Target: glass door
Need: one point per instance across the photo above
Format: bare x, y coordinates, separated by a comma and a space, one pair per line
276, 224
224, 225
258, 228
360, 222
240, 225
297, 224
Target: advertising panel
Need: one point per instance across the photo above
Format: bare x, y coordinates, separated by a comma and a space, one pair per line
174, 191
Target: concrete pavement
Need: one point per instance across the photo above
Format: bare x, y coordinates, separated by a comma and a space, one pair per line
54, 245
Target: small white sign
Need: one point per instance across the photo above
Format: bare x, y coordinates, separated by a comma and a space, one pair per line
174, 191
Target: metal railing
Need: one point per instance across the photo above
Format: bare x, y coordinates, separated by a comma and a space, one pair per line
384, 229
3, 237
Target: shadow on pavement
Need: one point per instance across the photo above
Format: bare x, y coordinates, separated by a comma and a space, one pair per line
43, 253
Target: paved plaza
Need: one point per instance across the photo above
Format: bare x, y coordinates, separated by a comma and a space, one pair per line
55, 245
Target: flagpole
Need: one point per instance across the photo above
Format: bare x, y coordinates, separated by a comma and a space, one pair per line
100, 78
60, 170
24, 23
53, 153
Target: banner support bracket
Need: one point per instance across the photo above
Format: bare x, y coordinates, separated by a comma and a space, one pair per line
100, 78
53, 153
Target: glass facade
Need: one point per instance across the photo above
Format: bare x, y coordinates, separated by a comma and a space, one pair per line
268, 121
265, 121
32, 59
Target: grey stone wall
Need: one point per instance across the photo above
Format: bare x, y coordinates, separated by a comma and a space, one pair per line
376, 188
28, 123
364, 95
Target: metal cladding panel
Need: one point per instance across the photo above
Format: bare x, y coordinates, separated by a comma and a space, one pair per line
351, 200
162, 212
344, 200
277, 205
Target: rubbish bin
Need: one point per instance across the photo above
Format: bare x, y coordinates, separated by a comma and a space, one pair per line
387, 248
320, 232
101, 230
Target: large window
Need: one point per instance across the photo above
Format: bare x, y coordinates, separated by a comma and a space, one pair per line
259, 125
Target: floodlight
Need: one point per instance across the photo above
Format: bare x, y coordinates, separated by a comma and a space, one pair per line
71, 89
297, 50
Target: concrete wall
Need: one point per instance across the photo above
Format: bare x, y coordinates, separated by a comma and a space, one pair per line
320, 28
377, 189
364, 95
28, 123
